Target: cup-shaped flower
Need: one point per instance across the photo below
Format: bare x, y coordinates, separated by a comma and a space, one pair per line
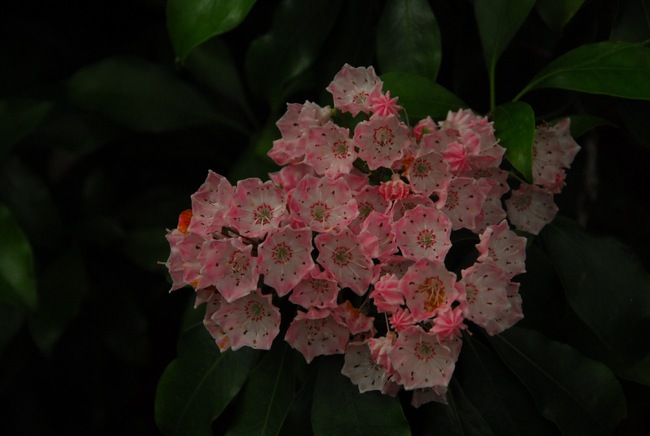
423, 233
229, 266
530, 208
317, 332
257, 207
210, 203
251, 321
381, 141
323, 204
422, 360
284, 258
502, 246
341, 253
362, 370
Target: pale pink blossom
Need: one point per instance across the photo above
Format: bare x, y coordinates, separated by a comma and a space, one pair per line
530, 208
429, 287
257, 207
342, 255
381, 141
250, 321
354, 88
361, 369
284, 258
421, 360
229, 266
323, 204
329, 150
209, 205
502, 246
423, 233
318, 289
317, 332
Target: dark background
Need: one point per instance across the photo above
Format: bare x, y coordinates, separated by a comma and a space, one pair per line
94, 198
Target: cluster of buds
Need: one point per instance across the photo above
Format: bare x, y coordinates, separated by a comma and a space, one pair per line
362, 238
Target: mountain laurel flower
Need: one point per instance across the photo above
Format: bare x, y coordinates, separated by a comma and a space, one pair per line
364, 243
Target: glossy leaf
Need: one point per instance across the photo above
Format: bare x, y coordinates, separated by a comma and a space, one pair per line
557, 13
143, 96
615, 68
191, 22
266, 399
62, 287
297, 35
496, 394
632, 21
580, 395
408, 38
212, 64
498, 22
457, 418
197, 386
601, 269
18, 118
514, 124
17, 283
420, 96
339, 408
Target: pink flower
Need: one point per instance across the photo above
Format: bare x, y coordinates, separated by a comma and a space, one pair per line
510, 316
395, 189
502, 246
183, 263
486, 289
429, 174
378, 228
464, 202
530, 208
354, 88
381, 141
382, 105
257, 207
209, 205
553, 150
429, 288
318, 289
356, 321
361, 369
449, 323
250, 321
323, 204
422, 361
387, 295
316, 333
330, 150
423, 233
229, 266
285, 258
341, 254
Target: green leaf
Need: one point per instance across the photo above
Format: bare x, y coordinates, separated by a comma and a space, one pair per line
212, 64
498, 22
557, 13
17, 283
408, 38
61, 290
632, 21
297, 35
605, 285
191, 22
497, 395
514, 124
266, 399
615, 68
339, 408
578, 394
458, 417
18, 118
421, 97
143, 96
197, 386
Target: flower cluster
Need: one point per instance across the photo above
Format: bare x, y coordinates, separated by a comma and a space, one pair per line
354, 238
